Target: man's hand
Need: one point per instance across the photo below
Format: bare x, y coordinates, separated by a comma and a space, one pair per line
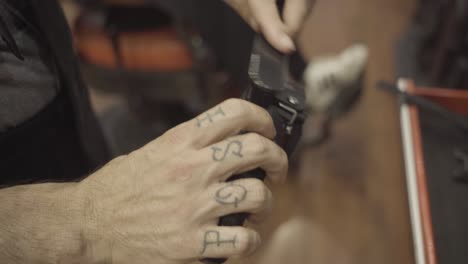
263, 16
161, 204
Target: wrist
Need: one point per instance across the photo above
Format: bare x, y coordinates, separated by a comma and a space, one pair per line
72, 245
95, 246
41, 223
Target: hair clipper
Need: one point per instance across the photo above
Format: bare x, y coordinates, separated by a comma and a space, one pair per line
276, 85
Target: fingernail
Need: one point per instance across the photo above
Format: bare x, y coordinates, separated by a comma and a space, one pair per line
287, 42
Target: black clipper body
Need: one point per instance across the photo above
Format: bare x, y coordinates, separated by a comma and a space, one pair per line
276, 85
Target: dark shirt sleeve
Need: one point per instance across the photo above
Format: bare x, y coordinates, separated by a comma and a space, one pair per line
26, 86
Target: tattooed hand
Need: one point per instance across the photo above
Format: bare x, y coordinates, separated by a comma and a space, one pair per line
161, 203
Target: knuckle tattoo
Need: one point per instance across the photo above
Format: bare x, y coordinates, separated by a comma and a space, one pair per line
233, 148
212, 238
210, 117
231, 194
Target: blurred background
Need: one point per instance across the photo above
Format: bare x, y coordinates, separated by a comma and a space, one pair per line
346, 201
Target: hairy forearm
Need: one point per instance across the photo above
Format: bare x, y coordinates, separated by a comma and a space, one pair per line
42, 223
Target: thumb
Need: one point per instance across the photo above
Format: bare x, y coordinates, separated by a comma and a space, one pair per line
294, 14
272, 27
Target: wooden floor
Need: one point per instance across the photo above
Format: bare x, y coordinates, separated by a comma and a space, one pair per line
351, 193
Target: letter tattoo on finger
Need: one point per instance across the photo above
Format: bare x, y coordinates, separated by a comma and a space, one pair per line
231, 194
233, 148
213, 237
210, 117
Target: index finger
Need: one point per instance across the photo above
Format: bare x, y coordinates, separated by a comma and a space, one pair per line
220, 122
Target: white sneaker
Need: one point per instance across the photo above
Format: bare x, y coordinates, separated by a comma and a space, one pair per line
332, 85
333, 81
